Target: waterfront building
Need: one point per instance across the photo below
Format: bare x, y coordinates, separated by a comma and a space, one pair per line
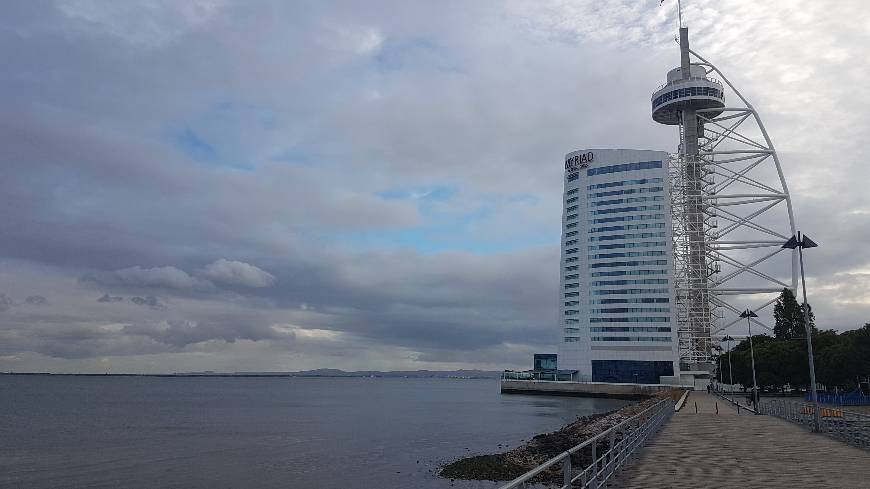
616, 317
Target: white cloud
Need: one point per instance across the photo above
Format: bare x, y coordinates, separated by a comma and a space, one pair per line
232, 272
167, 277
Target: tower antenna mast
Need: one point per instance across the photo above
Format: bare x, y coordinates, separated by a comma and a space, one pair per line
680, 12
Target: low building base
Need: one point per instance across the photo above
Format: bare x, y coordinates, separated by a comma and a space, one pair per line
584, 389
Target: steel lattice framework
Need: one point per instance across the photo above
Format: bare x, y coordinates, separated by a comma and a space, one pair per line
731, 215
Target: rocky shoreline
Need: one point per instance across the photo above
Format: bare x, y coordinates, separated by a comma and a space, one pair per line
516, 462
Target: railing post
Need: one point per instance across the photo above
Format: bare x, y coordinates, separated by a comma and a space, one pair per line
594, 480
566, 472
612, 445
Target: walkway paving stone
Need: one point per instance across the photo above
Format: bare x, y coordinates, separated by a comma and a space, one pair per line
707, 450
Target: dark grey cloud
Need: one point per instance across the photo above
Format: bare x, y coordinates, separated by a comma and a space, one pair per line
149, 301
110, 298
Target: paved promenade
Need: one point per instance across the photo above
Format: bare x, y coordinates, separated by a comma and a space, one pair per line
745, 451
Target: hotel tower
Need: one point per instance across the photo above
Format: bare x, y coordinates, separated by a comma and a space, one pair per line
616, 314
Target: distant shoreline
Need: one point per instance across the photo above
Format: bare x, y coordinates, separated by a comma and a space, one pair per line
422, 374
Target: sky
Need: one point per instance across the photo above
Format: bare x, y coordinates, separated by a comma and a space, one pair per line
271, 185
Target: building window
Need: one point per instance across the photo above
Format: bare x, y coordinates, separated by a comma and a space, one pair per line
572, 216
571, 312
641, 181
611, 193
571, 339
572, 286
629, 291
572, 233
572, 200
616, 246
630, 329
650, 319
571, 225
572, 294
645, 281
616, 210
663, 339
611, 264
628, 227
572, 303
570, 242
643, 165
571, 259
636, 300
627, 254
571, 251
573, 276
572, 268
613, 237
572, 191
618, 273
627, 310
639, 217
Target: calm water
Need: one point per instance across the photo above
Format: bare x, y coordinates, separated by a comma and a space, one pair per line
153, 433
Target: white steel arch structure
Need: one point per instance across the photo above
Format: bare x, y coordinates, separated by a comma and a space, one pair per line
731, 208
758, 210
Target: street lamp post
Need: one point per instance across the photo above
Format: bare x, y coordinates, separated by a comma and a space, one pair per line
748, 314
800, 242
729, 339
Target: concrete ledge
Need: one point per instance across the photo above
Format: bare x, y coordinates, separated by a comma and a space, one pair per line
583, 389
682, 401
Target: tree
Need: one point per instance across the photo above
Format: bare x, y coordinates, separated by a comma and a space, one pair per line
789, 317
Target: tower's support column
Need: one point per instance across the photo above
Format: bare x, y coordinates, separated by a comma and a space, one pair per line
698, 275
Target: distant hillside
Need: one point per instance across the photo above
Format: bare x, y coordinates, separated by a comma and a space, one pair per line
442, 374
323, 372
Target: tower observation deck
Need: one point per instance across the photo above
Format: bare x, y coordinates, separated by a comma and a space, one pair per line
725, 170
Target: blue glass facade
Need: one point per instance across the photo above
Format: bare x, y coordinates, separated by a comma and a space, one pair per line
630, 371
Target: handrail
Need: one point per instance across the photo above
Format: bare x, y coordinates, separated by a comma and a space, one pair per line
847, 426
634, 430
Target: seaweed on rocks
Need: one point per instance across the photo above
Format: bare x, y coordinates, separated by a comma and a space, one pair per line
516, 462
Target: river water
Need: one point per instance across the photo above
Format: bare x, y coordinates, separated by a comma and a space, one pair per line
219, 432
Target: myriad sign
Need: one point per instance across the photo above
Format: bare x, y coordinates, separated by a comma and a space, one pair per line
576, 162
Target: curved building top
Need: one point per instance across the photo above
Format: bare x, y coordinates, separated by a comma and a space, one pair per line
696, 91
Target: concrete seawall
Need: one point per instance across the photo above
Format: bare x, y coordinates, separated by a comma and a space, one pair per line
583, 389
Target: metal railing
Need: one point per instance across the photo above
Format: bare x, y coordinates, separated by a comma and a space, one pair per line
600, 456
851, 427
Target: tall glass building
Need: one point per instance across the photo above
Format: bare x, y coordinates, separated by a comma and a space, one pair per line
616, 300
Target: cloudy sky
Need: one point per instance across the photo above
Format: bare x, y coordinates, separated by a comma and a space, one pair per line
273, 185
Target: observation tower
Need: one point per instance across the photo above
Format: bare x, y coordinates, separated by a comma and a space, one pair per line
731, 210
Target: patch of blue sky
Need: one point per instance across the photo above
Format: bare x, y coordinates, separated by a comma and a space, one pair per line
194, 146
199, 149
442, 233
225, 133
444, 238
